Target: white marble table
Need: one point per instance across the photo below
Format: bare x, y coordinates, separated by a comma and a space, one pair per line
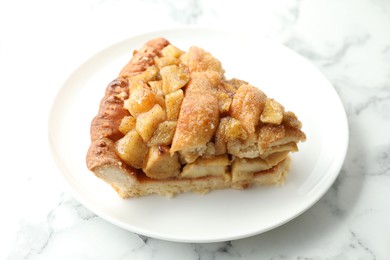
41, 42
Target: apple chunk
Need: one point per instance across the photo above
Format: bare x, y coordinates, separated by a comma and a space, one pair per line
159, 164
132, 149
148, 122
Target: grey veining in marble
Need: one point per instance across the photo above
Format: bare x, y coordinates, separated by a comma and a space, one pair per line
348, 41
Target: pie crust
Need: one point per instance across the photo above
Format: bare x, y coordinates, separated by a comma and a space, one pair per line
172, 123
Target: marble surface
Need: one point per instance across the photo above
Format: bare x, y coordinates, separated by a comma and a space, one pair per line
42, 42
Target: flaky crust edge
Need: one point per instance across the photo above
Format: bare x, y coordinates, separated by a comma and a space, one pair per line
101, 157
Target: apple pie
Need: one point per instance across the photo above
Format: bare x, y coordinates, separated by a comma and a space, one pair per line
172, 123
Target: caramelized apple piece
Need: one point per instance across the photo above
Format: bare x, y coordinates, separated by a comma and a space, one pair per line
132, 149
141, 100
159, 164
174, 78
230, 130
149, 74
290, 119
156, 87
224, 101
272, 113
148, 122
166, 61
163, 134
220, 137
246, 165
235, 130
127, 124
233, 84
243, 170
171, 51
276, 158
173, 103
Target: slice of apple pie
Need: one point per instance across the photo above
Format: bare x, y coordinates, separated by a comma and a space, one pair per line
172, 123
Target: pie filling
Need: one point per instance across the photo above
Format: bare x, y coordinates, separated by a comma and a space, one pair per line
186, 120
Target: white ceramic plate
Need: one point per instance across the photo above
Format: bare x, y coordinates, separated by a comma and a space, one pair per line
220, 215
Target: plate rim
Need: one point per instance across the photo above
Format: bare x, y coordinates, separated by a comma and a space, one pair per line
336, 166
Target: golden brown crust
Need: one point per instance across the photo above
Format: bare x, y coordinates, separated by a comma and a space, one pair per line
247, 105
111, 111
198, 118
144, 57
198, 60
102, 152
199, 114
104, 127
